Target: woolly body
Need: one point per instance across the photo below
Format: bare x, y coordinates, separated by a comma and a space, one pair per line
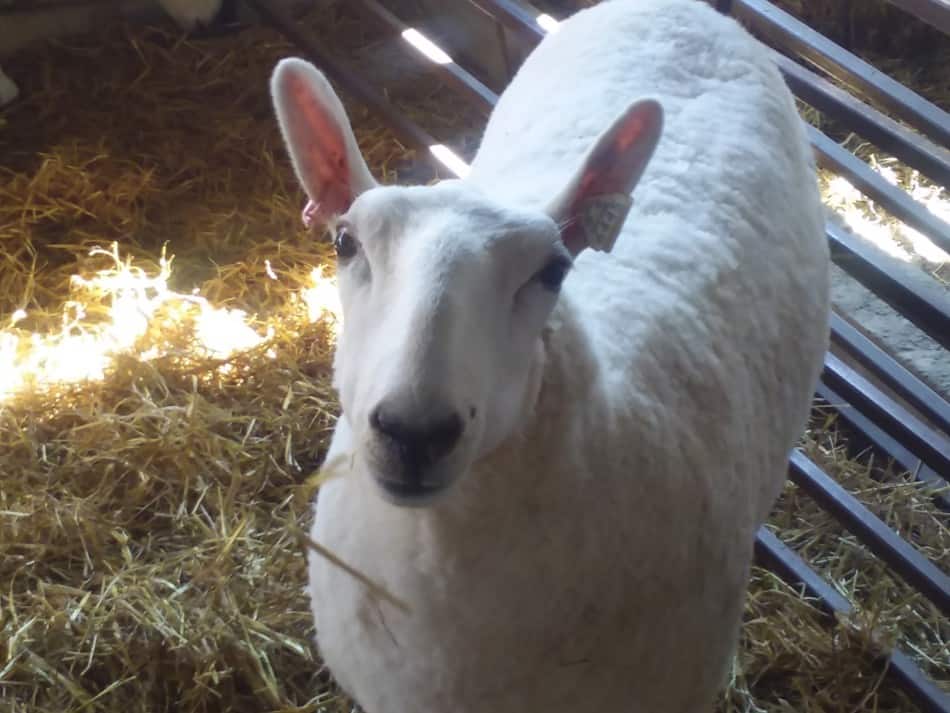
598, 560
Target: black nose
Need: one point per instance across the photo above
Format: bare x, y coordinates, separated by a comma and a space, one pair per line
418, 444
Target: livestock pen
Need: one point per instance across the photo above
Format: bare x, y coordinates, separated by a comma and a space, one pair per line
161, 420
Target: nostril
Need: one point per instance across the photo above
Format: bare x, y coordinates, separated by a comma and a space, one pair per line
388, 424
376, 421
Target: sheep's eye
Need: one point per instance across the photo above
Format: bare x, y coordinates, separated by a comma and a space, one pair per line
344, 243
552, 275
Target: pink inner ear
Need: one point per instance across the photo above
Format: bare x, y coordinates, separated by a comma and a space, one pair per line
607, 171
323, 158
309, 214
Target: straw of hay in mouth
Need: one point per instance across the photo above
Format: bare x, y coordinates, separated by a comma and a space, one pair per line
373, 587
337, 467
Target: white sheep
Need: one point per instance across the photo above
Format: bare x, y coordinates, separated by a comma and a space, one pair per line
564, 484
192, 14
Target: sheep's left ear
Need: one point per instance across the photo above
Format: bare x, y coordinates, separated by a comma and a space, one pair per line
319, 138
593, 206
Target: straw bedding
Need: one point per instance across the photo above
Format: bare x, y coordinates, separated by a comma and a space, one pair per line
150, 557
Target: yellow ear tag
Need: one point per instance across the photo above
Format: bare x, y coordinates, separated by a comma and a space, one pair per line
602, 218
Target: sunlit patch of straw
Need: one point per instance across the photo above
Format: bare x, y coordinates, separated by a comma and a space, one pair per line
321, 297
112, 313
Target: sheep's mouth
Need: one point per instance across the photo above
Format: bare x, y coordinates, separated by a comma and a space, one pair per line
409, 493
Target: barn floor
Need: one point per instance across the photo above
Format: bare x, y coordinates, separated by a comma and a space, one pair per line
149, 551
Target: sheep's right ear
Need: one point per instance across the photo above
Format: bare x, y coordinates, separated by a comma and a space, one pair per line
322, 147
593, 206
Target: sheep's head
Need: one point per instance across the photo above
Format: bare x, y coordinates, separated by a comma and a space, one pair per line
445, 292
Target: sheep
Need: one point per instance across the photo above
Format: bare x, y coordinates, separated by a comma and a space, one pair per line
570, 381
192, 14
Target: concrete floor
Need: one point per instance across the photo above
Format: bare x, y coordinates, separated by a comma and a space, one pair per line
910, 346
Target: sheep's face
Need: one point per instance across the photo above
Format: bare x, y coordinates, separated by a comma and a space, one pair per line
444, 298
444, 292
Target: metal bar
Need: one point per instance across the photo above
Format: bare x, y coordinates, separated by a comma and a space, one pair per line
864, 433
775, 555
919, 687
772, 553
915, 569
795, 36
896, 201
932, 446
450, 70
513, 16
931, 160
935, 13
907, 386
926, 308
